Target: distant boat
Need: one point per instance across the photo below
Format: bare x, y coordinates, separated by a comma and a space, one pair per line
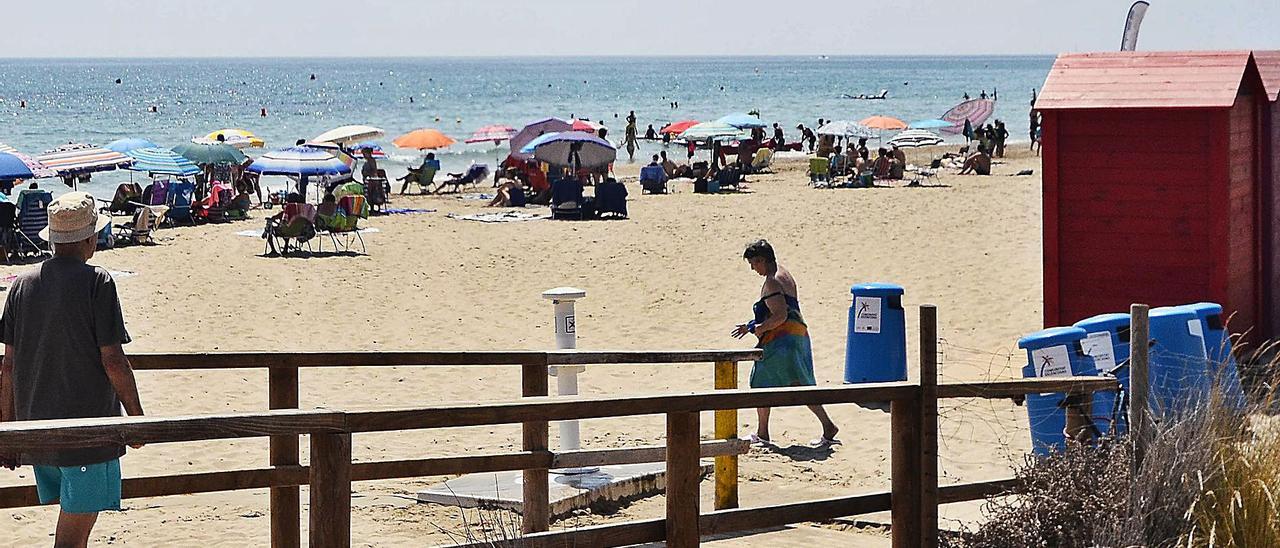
884, 94
823, 57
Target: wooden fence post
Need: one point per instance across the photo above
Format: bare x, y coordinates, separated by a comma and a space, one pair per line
286, 512
929, 425
1139, 380
726, 429
330, 491
536, 505
683, 473
906, 474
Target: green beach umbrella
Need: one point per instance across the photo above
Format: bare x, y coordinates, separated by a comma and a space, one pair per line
210, 154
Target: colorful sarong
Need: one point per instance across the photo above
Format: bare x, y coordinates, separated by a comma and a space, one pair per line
788, 357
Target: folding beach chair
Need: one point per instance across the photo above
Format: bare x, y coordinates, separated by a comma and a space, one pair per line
293, 229
343, 227
474, 175
819, 169
611, 199
566, 199
33, 216
178, 200
145, 221
653, 179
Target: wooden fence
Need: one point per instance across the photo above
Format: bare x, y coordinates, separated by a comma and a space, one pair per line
913, 498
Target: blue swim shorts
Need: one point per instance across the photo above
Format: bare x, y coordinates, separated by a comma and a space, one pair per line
82, 489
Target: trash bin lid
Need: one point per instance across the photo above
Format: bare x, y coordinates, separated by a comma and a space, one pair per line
876, 289
1104, 322
1204, 310
1051, 337
1179, 312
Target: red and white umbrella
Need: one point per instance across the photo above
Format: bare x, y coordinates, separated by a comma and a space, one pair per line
496, 133
584, 125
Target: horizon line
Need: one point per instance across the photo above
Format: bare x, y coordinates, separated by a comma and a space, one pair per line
530, 56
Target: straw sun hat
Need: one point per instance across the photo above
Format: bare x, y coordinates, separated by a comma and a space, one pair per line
73, 217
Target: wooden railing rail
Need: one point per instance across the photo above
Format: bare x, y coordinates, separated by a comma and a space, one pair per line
332, 471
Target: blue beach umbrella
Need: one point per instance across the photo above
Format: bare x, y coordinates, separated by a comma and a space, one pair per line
593, 152
130, 143
931, 123
529, 147
162, 161
742, 120
12, 167
299, 162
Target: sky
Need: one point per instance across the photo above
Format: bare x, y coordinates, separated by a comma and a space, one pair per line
449, 28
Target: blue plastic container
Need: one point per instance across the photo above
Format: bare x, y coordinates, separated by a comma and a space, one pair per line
1108, 344
876, 348
1178, 365
1223, 369
1046, 351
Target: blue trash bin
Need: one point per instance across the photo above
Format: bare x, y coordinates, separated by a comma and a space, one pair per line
1223, 368
1107, 343
1178, 365
1047, 351
876, 348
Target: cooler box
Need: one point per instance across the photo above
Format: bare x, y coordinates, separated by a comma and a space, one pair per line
1107, 342
1179, 366
876, 348
1053, 352
1222, 361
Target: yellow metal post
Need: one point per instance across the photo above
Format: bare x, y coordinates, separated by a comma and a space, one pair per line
726, 429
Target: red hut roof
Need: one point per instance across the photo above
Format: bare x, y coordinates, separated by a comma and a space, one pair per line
1269, 68
1144, 79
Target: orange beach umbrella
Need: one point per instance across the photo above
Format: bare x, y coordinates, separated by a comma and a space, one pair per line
423, 139
883, 122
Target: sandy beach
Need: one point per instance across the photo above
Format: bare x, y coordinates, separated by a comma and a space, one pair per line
670, 277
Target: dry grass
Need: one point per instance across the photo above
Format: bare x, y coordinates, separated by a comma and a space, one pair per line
1210, 478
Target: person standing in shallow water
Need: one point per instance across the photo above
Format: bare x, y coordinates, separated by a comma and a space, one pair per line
784, 338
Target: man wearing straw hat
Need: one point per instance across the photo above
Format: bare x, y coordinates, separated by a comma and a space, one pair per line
63, 333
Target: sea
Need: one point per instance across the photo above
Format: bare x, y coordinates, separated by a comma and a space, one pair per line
99, 100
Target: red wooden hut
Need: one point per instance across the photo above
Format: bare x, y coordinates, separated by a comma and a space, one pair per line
1269, 69
1151, 183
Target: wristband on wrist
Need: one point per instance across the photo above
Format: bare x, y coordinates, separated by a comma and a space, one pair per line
751, 326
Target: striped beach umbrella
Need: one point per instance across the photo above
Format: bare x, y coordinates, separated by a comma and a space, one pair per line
496, 133
13, 168
299, 162
915, 138
374, 149
974, 111
7, 149
711, 130
845, 128
38, 170
82, 159
162, 161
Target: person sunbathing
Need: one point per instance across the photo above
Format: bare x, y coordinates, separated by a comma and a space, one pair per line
978, 163
506, 195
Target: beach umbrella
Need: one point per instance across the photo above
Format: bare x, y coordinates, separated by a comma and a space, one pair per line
82, 159
301, 161
423, 139
845, 128
531, 146
584, 125
239, 138
883, 122
533, 130
742, 120
973, 111
343, 155
12, 167
211, 154
676, 128
496, 133
594, 152
163, 161
374, 149
931, 123
7, 149
349, 134
709, 130
38, 170
127, 144
915, 138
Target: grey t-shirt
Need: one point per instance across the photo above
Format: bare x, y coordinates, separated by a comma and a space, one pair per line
57, 317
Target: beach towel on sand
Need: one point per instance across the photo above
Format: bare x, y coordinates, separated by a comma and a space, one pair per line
500, 217
788, 357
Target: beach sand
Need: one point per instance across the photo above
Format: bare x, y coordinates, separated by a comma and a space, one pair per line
671, 277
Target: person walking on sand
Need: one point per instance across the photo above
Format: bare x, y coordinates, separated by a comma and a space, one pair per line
784, 338
63, 333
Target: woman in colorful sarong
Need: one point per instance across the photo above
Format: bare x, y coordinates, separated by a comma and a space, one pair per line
784, 338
